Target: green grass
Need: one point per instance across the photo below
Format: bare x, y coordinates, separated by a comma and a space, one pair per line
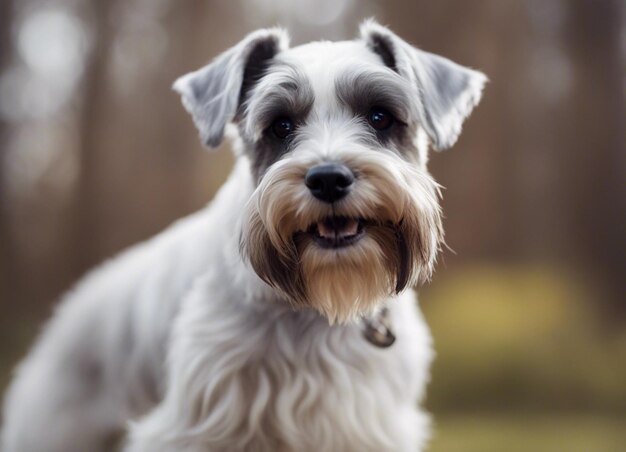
522, 338
526, 433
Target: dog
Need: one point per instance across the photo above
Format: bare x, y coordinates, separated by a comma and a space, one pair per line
283, 316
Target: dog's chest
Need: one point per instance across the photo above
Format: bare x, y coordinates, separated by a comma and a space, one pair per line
294, 383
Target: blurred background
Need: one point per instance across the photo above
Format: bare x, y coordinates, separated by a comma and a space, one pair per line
528, 311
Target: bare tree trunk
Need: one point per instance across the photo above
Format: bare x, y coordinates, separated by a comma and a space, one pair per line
8, 274
595, 141
94, 91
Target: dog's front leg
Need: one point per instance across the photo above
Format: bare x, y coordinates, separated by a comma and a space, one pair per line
206, 405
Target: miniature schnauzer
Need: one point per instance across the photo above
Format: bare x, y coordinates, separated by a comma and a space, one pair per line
282, 317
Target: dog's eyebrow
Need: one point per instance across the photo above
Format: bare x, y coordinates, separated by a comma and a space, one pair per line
283, 91
363, 89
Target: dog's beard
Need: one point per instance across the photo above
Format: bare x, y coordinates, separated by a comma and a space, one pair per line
388, 236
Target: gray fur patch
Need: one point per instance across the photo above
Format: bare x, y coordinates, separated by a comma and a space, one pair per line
286, 93
362, 90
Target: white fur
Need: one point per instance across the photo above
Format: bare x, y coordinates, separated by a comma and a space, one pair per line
262, 378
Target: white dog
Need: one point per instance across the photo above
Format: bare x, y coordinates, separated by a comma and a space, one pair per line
281, 317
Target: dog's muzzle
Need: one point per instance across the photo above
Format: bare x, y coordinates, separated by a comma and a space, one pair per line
343, 236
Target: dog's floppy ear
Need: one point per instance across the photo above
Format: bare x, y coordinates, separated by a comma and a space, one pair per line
214, 93
448, 92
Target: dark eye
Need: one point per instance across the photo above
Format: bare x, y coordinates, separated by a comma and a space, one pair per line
379, 118
282, 127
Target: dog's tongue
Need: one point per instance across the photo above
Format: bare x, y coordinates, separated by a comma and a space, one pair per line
339, 228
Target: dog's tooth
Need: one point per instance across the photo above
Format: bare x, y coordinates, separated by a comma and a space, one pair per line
350, 227
325, 231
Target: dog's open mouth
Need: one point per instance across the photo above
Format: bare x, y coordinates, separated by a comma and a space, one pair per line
337, 231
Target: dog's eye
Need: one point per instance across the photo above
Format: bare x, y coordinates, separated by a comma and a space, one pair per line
282, 127
380, 119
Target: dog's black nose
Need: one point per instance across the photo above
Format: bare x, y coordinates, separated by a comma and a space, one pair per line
329, 182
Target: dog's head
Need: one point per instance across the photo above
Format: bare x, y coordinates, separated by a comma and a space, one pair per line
344, 213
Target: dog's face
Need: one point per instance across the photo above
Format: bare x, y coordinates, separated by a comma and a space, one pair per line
344, 213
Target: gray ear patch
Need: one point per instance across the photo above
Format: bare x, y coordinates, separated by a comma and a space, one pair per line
213, 94
448, 91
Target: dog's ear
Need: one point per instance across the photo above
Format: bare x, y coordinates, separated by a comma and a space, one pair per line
214, 93
447, 91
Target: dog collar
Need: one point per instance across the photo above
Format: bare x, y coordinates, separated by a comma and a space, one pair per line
377, 329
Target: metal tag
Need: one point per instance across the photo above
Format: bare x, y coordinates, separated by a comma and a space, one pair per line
377, 330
